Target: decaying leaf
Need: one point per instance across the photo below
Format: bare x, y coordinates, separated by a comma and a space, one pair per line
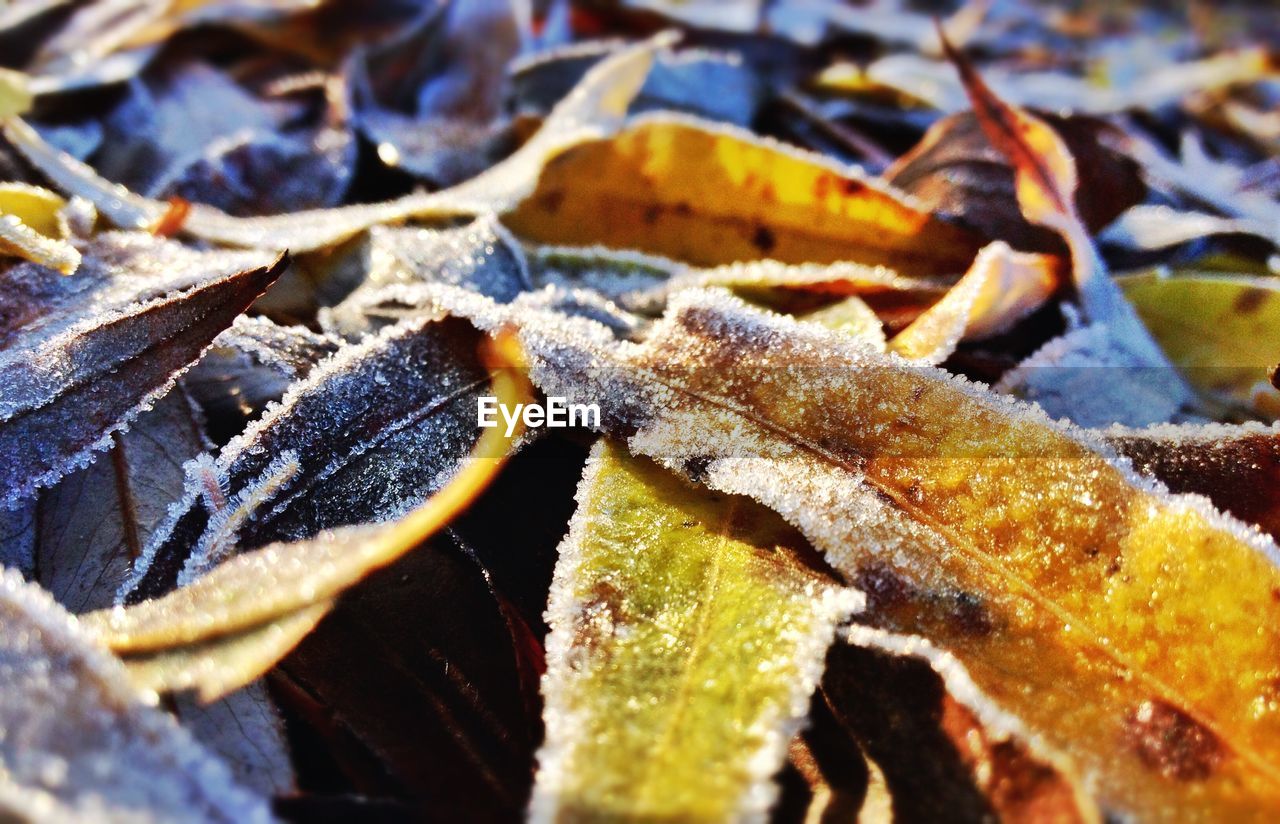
1001, 288
79, 742
685, 641
245, 730
1091, 626
99, 351
709, 194
30, 227
1236, 467
229, 626
251, 364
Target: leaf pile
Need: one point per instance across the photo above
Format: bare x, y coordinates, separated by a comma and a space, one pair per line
936, 474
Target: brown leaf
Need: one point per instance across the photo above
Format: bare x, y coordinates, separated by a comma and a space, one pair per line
958, 172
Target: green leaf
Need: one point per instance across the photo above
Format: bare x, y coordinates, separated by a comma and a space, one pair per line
686, 639
1220, 330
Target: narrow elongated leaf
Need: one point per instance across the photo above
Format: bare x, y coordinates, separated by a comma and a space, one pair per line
685, 641
1045, 181
79, 742
229, 626
98, 366
368, 435
707, 194
1095, 626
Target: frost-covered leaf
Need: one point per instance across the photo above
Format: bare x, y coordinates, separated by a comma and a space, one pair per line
1000, 289
1236, 467
90, 526
708, 194
1046, 179
594, 109
685, 640
246, 731
98, 348
250, 365
481, 256
1219, 329
1091, 626
191, 131
227, 627
944, 750
78, 742
370, 433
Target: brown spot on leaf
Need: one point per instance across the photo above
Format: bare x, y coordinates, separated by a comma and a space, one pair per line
883, 587
551, 201
600, 614
651, 215
764, 239
1250, 300
1173, 743
970, 616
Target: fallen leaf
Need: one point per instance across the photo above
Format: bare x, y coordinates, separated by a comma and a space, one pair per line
246, 731
710, 194
226, 628
1218, 329
370, 434
956, 171
81, 743
90, 526
595, 108
250, 365
685, 642
1045, 181
944, 750
99, 353
1001, 288
1236, 467
1078, 624
29, 227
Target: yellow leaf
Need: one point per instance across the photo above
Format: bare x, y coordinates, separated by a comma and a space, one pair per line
31, 228
1001, 288
1135, 631
15, 97
686, 639
709, 195
1222, 331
